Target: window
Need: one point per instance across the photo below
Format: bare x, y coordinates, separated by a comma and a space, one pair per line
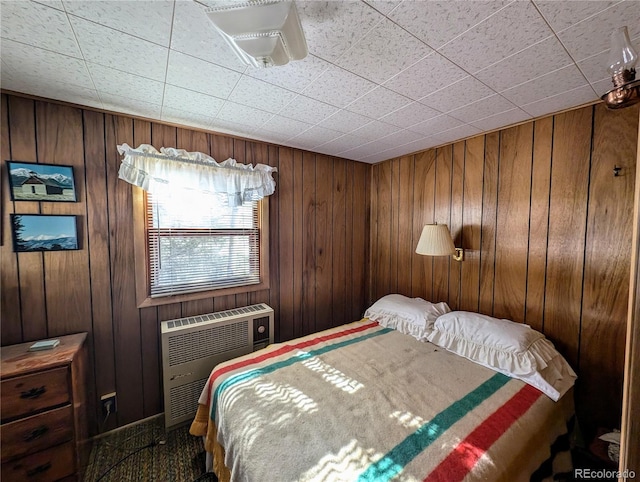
196, 246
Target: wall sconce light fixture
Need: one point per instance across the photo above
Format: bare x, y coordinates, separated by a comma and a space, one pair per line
622, 62
436, 240
262, 34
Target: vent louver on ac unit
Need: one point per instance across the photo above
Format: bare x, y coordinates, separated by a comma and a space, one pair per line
192, 346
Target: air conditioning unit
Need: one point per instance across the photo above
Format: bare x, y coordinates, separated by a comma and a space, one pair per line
192, 346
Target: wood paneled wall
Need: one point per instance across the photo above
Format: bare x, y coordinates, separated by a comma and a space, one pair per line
546, 228
319, 239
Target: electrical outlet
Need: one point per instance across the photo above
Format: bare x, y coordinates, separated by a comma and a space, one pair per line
108, 403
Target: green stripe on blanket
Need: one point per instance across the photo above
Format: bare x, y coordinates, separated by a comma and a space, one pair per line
256, 372
402, 454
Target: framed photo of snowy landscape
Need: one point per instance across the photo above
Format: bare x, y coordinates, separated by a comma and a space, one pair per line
29, 181
43, 232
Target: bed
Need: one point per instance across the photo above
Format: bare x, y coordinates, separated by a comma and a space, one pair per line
367, 402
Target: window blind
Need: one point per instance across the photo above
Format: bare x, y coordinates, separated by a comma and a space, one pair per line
196, 242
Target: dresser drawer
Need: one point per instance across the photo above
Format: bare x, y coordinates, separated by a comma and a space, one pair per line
31, 393
32, 434
48, 465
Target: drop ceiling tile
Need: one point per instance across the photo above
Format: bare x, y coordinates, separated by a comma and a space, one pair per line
458, 94
530, 63
243, 115
148, 20
595, 67
327, 151
394, 152
207, 44
565, 100
365, 150
295, 144
191, 101
381, 123
402, 137
118, 50
373, 159
546, 86
502, 119
315, 136
375, 130
4, 68
294, 76
285, 126
43, 87
436, 23
345, 121
195, 74
36, 63
116, 82
57, 4
425, 77
422, 144
331, 27
508, 31
384, 6
338, 87
23, 21
339, 144
375, 56
409, 115
561, 15
483, 108
124, 105
186, 118
379, 102
457, 133
270, 136
261, 95
593, 35
601, 87
308, 110
230, 127
437, 124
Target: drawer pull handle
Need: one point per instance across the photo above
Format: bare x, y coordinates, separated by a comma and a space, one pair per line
39, 469
36, 433
33, 393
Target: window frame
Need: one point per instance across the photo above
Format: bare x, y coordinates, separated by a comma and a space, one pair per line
142, 258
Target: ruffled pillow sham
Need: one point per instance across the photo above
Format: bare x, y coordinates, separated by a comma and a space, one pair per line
505, 346
412, 316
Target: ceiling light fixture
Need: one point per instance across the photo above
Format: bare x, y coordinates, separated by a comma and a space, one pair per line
263, 33
622, 62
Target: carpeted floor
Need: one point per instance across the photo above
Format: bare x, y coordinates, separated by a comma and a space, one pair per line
145, 452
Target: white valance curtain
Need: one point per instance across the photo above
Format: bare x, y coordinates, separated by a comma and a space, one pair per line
171, 169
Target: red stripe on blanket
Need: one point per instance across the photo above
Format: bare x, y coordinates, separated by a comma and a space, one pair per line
464, 456
281, 351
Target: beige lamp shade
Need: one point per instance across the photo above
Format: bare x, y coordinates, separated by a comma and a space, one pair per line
436, 240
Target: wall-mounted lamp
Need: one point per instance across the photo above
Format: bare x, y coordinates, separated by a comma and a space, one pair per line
436, 240
622, 62
262, 34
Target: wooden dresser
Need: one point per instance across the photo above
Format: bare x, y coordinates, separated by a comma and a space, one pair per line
44, 432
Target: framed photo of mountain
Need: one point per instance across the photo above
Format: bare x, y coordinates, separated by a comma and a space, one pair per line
29, 181
43, 232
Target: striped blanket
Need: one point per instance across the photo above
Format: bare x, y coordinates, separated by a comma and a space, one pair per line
365, 403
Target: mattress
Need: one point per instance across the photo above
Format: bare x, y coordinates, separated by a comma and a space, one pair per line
362, 403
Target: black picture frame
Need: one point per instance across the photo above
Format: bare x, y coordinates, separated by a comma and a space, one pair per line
44, 232
30, 181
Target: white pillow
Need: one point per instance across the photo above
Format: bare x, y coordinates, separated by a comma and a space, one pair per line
413, 316
514, 349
